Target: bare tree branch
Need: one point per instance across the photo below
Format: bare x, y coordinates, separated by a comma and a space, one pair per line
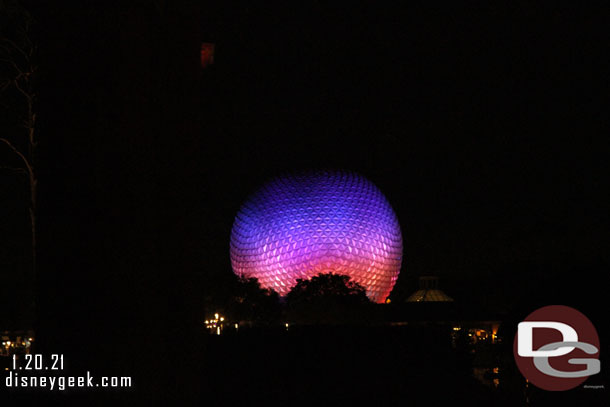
30, 170
16, 56
14, 65
16, 47
22, 91
14, 169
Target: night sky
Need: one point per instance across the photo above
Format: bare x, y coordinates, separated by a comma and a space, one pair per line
486, 128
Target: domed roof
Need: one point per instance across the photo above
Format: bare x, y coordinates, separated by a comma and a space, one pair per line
428, 291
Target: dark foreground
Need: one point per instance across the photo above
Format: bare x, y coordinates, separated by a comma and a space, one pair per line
321, 366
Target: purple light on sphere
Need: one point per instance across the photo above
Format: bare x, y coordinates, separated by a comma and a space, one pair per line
300, 225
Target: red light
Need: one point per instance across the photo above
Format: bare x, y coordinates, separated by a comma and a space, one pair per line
207, 54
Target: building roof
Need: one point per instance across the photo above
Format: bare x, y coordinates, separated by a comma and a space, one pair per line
428, 295
429, 291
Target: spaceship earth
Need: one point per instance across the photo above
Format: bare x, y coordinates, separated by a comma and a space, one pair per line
297, 226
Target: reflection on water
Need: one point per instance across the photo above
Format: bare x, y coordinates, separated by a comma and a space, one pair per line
487, 376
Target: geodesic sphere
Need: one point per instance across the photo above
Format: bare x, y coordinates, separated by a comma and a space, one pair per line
297, 226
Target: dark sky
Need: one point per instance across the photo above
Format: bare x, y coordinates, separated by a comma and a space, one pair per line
485, 127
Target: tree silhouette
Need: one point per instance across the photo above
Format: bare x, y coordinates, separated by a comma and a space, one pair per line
251, 302
326, 298
243, 299
17, 108
328, 286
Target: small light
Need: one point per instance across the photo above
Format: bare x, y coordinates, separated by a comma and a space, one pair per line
236, 326
215, 316
207, 54
222, 319
207, 322
8, 343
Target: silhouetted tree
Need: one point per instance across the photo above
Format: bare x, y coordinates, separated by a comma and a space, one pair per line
327, 298
243, 299
251, 302
17, 113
